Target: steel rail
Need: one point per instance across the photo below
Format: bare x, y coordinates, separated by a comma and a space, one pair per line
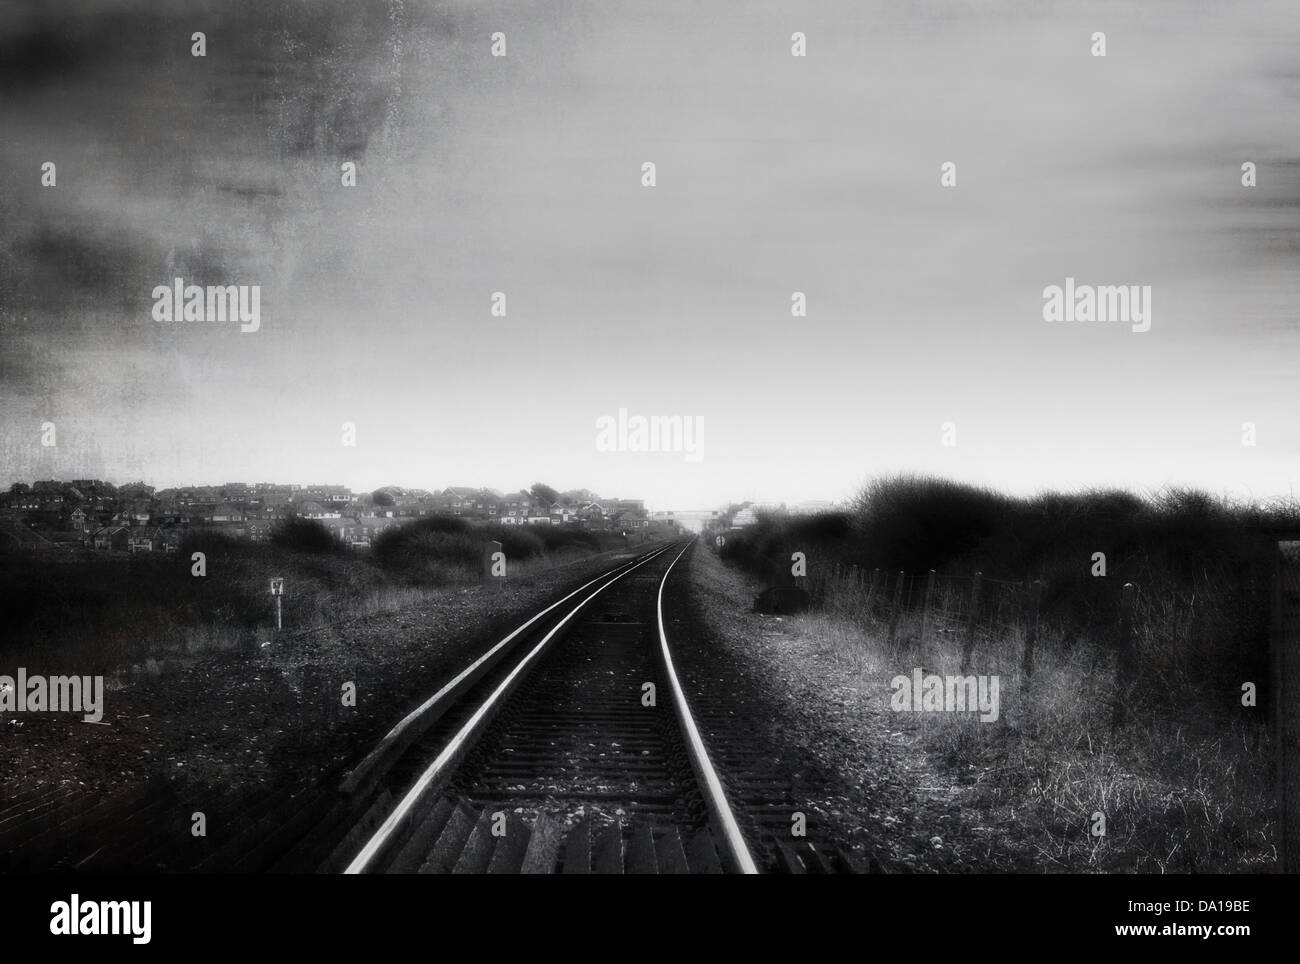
716, 798
465, 735
361, 770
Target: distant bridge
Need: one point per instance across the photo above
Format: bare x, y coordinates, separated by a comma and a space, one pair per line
692, 519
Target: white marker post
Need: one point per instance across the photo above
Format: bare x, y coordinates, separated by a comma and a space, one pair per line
277, 590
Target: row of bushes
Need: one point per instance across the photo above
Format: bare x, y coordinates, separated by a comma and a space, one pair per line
1203, 566
101, 612
437, 541
431, 548
918, 523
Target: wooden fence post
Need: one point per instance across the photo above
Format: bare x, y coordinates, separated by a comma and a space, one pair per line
1124, 657
925, 611
871, 593
1033, 593
968, 649
898, 608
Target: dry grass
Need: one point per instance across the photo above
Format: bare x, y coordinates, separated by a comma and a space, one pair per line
102, 615
1185, 787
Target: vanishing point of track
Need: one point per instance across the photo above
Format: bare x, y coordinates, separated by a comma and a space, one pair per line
568, 746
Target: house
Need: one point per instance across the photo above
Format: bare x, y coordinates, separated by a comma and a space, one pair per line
77, 519
314, 510
519, 505
279, 498
369, 528
344, 530
359, 532
561, 513
630, 512
166, 514
745, 517
199, 513
227, 512
140, 540
625, 519
460, 500
236, 492
439, 504
329, 495
111, 538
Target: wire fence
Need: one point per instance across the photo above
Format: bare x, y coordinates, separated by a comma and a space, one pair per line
972, 612
1174, 640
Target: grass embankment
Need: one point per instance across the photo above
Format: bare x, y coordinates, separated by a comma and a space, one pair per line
1185, 774
96, 613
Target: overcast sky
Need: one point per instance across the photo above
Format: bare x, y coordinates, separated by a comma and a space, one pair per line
775, 174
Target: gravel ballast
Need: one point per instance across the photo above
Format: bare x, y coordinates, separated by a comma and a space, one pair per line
857, 767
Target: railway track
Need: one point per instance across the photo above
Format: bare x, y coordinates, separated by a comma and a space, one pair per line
576, 752
579, 742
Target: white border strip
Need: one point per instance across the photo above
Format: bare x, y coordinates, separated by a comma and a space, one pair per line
695, 745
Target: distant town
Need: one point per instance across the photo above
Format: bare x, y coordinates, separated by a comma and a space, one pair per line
96, 515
